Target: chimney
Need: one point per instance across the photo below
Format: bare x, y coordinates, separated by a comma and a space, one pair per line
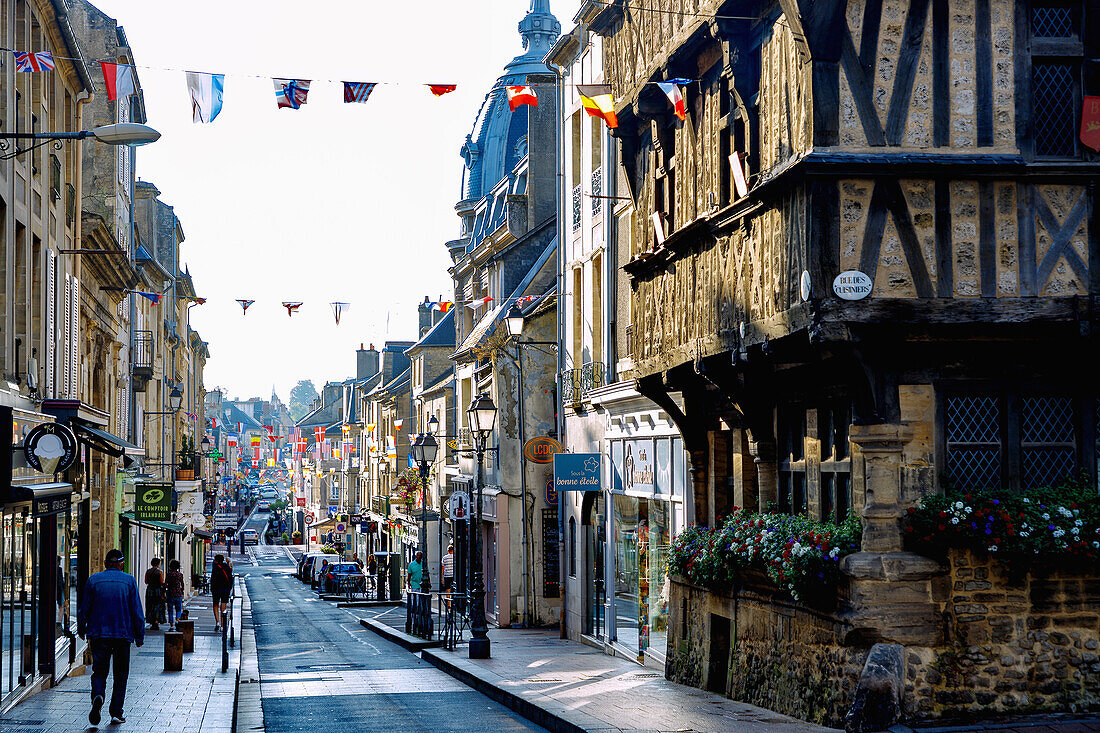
425, 312
366, 362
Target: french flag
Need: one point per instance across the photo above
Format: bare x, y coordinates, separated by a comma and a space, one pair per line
119, 80
672, 91
519, 95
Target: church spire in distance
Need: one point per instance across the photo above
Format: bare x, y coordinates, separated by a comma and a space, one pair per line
539, 30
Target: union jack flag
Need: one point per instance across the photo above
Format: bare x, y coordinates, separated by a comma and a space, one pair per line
357, 91
28, 61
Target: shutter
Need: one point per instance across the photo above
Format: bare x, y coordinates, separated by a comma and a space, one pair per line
74, 342
64, 357
51, 338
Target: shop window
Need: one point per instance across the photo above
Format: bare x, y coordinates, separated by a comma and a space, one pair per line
572, 547
833, 423
791, 431
983, 431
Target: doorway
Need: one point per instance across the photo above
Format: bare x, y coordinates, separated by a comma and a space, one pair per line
592, 518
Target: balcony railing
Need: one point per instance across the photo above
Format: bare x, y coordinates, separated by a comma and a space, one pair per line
141, 359
378, 505
576, 207
70, 203
593, 376
571, 387
597, 191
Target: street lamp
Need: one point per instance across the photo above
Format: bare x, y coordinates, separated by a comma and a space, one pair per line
205, 444
514, 320
424, 450
482, 416
122, 133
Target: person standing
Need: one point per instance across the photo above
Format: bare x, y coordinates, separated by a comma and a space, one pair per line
448, 565
221, 585
415, 572
355, 559
110, 618
154, 593
173, 586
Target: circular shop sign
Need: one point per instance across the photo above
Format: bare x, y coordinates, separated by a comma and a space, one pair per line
50, 448
310, 519
541, 449
852, 285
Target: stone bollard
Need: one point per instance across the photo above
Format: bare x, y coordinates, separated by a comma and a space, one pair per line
173, 651
187, 628
185, 613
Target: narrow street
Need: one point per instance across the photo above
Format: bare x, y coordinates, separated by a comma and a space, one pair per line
320, 667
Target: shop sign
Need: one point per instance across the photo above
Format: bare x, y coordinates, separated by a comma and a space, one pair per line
364, 527
638, 464
852, 285
52, 505
50, 448
222, 521
576, 472
550, 493
153, 502
300, 501
541, 449
355, 519
458, 505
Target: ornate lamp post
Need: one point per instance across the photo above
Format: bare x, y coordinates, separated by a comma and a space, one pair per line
482, 414
424, 450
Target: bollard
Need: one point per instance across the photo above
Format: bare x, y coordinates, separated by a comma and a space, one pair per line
187, 628
184, 614
173, 651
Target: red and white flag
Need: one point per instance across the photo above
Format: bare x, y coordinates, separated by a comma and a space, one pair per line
519, 95
119, 80
440, 89
672, 91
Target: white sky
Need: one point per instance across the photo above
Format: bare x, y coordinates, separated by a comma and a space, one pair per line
331, 202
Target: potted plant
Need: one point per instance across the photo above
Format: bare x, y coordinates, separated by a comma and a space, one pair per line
297, 537
185, 471
284, 538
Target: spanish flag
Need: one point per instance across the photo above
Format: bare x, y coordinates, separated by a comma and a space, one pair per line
598, 102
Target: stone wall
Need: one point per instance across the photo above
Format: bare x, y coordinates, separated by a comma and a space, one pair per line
1017, 639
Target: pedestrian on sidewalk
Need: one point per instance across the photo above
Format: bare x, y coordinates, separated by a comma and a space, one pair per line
221, 584
355, 559
173, 585
154, 593
110, 617
415, 572
448, 564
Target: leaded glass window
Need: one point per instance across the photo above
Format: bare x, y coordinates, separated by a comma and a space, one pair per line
973, 436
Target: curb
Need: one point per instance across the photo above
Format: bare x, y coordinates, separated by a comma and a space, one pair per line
547, 713
411, 643
248, 713
367, 604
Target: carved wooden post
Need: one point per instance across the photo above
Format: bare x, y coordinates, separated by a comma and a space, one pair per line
767, 473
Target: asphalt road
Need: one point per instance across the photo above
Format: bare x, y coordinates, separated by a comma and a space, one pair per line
320, 670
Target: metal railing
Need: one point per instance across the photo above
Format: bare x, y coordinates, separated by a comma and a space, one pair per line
576, 207
419, 619
142, 350
597, 191
228, 632
593, 375
436, 612
571, 386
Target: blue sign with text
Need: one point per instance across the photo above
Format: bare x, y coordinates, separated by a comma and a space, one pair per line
577, 471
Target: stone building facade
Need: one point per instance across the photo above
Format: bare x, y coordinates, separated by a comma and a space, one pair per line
931, 154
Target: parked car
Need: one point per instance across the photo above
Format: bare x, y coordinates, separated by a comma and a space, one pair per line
305, 565
318, 563
263, 505
337, 571
250, 537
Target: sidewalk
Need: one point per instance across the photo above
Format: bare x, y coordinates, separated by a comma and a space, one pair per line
568, 686
200, 697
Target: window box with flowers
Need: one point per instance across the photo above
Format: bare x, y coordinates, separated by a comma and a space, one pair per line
798, 555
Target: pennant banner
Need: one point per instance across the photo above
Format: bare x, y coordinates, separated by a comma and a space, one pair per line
598, 102
244, 305
357, 92
291, 93
206, 92
440, 89
119, 80
520, 95
28, 62
338, 309
291, 308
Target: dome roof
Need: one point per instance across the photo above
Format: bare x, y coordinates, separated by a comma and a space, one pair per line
497, 143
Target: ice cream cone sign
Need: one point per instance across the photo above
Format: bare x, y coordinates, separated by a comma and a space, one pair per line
50, 448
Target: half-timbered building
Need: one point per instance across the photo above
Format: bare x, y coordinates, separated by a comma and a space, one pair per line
863, 269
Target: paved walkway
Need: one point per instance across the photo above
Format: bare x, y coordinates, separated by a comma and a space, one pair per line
200, 698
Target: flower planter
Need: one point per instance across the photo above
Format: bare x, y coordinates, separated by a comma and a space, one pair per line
184, 474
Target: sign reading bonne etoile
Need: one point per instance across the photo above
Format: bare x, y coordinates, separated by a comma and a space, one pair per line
577, 471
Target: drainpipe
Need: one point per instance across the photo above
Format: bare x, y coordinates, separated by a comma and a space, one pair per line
560, 101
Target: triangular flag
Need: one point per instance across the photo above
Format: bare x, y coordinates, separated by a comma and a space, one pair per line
440, 89
199, 301
443, 306
119, 80
357, 91
479, 302
597, 102
27, 61
291, 93
154, 298
675, 97
339, 308
206, 92
519, 95
244, 305
291, 308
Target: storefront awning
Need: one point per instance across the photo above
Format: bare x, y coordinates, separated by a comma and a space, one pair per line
51, 498
204, 534
158, 526
103, 441
326, 526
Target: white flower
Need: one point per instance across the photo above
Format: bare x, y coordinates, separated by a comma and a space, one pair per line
958, 505
968, 510
1059, 532
1074, 530
1026, 500
1077, 522
1023, 534
954, 520
992, 548
1096, 545
1046, 516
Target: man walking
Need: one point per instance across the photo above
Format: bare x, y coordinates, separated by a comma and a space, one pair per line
110, 617
448, 564
173, 585
221, 585
416, 572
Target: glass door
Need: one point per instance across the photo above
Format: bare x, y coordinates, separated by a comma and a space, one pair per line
596, 589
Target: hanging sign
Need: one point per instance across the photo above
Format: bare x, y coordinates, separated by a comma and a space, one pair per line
458, 505
852, 285
50, 448
300, 500
153, 502
550, 493
541, 449
577, 472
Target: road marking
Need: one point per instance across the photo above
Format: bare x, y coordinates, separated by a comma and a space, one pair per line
316, 683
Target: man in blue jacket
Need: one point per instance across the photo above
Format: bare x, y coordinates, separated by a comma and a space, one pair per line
110, 617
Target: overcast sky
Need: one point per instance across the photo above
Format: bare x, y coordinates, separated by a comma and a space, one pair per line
331, 202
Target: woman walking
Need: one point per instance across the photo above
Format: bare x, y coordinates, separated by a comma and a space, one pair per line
154, 593
174, 593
